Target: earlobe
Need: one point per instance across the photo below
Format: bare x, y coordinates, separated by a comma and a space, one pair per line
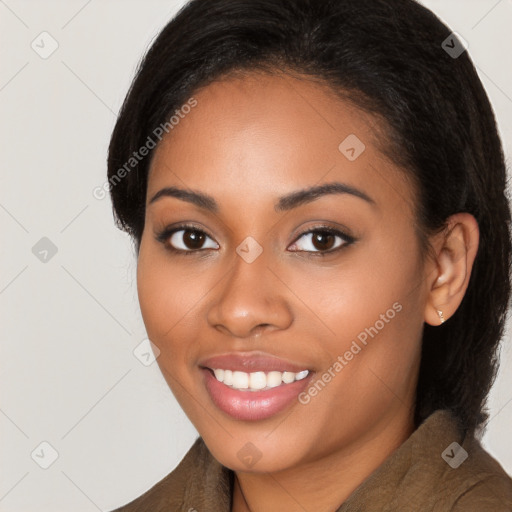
456, 249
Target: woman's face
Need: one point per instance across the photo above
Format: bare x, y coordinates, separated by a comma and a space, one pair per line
330, 282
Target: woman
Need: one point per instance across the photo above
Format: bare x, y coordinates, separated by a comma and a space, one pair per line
316, 192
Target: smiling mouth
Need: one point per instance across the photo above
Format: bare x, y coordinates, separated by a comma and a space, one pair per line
253, 385
256, 381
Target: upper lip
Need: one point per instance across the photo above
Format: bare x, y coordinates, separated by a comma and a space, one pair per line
251, 362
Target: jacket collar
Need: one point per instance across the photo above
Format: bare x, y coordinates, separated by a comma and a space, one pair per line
408, 474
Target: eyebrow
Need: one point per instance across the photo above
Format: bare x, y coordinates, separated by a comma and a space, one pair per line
287, 202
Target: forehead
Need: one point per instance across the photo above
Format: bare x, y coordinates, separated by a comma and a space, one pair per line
262, 135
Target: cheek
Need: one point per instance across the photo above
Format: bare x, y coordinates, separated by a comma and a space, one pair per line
349, 296
157, 297
374, 308
167, 295
167, 302
388, 268
171, 294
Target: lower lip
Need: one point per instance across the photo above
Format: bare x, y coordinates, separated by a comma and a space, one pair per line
253, 405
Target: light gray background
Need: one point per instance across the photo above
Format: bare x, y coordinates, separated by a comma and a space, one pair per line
69, 325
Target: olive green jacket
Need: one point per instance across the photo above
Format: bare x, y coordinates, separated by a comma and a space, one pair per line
427, 473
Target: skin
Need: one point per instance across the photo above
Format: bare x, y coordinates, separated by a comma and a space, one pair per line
249, 141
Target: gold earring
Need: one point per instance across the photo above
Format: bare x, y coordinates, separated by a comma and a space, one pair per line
441, 317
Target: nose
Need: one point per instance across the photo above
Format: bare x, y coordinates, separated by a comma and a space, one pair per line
250, 300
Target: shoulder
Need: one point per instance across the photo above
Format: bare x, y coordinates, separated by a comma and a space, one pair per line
437, 469
480, 483
195, 483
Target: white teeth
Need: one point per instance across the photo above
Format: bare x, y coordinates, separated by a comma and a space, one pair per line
228, 377
257, 380
274, 379
301, 375
240, 380
288, 377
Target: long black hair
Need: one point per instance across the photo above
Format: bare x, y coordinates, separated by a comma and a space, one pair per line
396, 60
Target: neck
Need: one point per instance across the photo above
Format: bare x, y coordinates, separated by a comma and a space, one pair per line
336, 475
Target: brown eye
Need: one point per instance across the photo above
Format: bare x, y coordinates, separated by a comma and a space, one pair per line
187, 240
321, 241
193, 239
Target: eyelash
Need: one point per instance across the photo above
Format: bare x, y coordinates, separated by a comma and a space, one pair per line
164, 235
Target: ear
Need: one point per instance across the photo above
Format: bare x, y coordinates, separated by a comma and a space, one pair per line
448, 276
